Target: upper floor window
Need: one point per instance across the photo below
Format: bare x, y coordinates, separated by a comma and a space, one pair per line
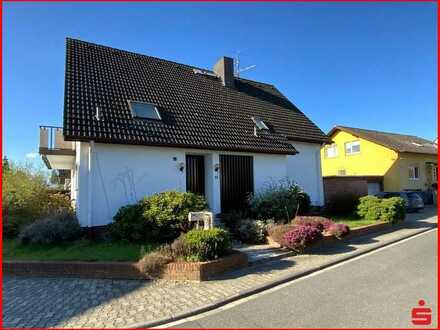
414, 173
331, 151
352, 148
144, 110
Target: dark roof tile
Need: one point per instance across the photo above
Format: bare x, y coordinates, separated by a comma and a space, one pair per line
197, 110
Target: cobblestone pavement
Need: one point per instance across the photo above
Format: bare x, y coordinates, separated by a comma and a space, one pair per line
80, 303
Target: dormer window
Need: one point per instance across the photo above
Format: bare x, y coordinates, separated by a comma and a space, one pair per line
260, 123
144, 110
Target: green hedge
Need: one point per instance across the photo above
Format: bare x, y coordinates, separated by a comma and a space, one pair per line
202, 245
388, 209
157, 218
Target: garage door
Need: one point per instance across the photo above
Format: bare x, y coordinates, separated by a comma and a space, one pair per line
373, 188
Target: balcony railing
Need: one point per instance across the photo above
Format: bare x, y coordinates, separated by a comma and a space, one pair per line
52, 141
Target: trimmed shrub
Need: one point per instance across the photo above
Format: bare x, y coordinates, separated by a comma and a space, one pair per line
300, 237
169, 211
128, 224
279, 201
369, 207
51, 230
338, 230
203, 245
160, 217
251, 231
277, 232
392, 209
387, 209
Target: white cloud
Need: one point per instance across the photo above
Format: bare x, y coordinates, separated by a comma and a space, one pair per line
32, 155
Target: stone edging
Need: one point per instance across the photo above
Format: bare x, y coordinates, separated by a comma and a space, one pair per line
196, 271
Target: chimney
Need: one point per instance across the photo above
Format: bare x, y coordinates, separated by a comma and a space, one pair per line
224, 68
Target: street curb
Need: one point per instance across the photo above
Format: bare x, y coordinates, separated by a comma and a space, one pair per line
263, 287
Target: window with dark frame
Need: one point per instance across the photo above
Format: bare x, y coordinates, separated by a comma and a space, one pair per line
144, 110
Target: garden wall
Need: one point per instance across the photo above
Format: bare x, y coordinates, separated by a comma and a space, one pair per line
193, 271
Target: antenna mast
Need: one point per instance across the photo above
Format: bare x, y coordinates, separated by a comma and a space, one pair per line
237, 66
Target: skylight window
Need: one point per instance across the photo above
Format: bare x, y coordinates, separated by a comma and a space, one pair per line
144, 110
260, 123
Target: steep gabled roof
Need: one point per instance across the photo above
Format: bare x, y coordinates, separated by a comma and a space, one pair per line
197, 110
397, 142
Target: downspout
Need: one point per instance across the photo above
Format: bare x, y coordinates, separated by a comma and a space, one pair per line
89, 190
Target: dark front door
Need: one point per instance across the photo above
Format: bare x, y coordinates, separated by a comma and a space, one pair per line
236, 181
195, 174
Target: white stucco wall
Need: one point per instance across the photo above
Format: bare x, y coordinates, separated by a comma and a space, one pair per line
123, 174
268, 168
305, 169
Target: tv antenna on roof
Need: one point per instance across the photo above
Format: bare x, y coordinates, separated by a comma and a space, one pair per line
237, 66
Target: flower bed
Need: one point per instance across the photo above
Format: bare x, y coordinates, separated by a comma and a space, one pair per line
354, 232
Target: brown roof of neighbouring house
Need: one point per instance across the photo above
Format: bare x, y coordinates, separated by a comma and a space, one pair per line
397, 142
197, 110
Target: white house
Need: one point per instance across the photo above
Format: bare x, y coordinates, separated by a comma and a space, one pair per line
135, 125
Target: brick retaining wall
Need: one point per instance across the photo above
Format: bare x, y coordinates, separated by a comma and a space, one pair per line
109, 270
196, 271
201, 271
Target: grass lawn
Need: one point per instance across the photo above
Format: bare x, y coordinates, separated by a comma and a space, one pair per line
81, 250
352, 221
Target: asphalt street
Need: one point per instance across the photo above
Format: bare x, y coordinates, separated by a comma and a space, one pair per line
376, 290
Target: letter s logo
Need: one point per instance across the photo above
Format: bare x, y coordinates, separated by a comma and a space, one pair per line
421, 315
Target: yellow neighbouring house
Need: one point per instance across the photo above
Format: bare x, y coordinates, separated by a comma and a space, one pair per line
384, 161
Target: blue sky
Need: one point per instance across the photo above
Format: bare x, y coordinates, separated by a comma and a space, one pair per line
369, 65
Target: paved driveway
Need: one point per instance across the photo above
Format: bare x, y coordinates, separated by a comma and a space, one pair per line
62, 302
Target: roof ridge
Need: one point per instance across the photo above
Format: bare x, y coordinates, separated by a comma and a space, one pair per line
159, 59
377, 131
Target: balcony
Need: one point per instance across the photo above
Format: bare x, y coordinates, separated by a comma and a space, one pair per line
57, 153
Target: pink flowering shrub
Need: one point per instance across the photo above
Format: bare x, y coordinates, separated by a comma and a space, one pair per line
300, 237
320, 223
338, 230
327, 223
